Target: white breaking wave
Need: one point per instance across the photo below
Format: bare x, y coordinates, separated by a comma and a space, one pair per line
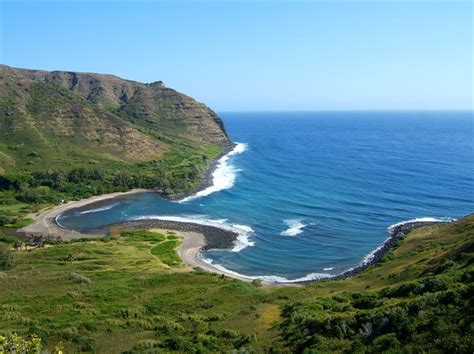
308, 277
316, 276
370, 256
56, 220
268, 278
295, 227
244, 232
224, 175
424, 219
106, 207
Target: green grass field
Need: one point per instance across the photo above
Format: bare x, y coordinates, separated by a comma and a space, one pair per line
130, 293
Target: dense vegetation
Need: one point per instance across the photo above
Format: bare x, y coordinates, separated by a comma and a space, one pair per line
122, 294
24, 192
67, 135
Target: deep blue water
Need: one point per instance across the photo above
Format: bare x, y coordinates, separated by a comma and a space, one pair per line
345, 176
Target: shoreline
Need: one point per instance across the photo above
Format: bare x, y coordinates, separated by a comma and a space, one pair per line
45, 224
199, 237
206, 180
214, 237
45, 221
396, 233
190, 253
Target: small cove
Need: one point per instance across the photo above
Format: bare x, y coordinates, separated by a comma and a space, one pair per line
311, 194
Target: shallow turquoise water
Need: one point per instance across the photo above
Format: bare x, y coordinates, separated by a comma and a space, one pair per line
319, 190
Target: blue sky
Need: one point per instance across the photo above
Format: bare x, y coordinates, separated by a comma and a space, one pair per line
259, 55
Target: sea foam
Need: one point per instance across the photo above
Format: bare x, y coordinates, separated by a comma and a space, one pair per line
267, 278
223, 176
295, 227
96, 210
370, 256
244, 232
423, 219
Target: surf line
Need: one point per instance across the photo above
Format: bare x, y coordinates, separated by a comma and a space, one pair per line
223, 176
396, 231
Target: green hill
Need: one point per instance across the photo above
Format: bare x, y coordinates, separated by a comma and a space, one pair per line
122, 295
66, 135
71, 135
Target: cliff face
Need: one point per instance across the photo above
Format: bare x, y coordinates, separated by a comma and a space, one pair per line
46, 113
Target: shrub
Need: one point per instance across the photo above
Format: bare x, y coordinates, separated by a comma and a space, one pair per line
16, 344
8, 239
166, 252
402, 290
432, 285
143, 235
6, 258
176, 343
366, 301
164, 247
386, 342
145, 346
7, 200
79, 278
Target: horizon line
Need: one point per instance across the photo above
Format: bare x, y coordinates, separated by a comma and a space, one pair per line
364, 110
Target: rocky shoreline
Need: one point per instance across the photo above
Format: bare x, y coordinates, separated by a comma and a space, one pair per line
396, 233
206, 180
46, 225
215, 238
212, 237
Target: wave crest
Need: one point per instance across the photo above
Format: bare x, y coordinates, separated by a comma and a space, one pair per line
423, 219
223, 176
96, 210
368, 258
268, 278
244, 232
295, 227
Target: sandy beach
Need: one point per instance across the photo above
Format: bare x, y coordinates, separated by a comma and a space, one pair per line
189, 252
196, 237
45, 224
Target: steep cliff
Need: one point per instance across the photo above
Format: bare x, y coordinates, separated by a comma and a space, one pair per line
45, 114
70, 135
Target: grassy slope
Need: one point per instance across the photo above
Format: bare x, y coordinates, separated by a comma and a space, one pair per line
58, 129
135, 300
154, 138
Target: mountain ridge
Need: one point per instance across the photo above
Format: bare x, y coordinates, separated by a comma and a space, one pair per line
152, 105
67, 135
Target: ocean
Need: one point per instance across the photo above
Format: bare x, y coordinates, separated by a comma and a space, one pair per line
312, 194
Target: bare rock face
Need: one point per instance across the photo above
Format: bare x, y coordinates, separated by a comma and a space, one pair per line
104, 114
